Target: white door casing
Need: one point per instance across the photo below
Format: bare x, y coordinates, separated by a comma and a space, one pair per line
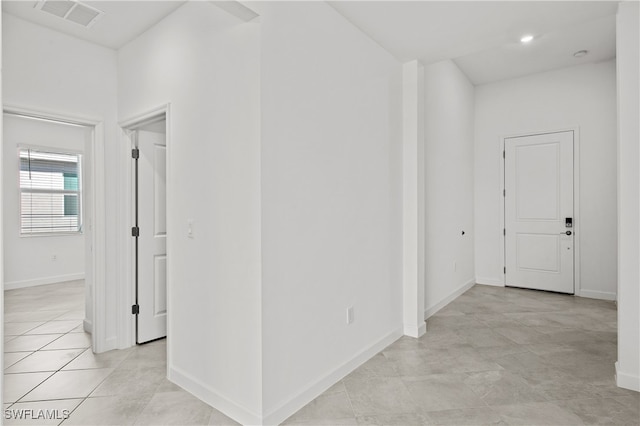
539, 253
152, 242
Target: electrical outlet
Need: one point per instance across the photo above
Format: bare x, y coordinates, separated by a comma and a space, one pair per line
350, 317
54, 257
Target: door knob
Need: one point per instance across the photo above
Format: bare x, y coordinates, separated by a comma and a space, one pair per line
567, 232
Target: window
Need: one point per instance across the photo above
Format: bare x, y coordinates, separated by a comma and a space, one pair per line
50, 192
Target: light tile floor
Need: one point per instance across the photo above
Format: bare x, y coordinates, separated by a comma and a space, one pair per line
49, 366
493, 356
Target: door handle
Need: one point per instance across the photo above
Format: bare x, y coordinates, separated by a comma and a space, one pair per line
566, 232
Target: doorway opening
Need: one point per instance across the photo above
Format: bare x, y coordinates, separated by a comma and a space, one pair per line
51, 233
541, 249
148, 141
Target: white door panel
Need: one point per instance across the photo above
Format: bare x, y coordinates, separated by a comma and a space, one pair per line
152, 242
538, 199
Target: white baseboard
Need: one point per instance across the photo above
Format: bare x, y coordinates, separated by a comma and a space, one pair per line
87, 326
291, 405
415, 330
627, 381
594, 294
490, 281
450, 298
12, 285
212, 397
296, 402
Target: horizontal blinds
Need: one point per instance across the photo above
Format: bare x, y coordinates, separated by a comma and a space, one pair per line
50, 197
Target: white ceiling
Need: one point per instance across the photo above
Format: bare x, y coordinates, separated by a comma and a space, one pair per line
122, 20
482, 37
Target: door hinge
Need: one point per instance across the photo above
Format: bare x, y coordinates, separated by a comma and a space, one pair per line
135, 231
504, 270
504, 231
135, 153
135, 309
504, 154
504, 192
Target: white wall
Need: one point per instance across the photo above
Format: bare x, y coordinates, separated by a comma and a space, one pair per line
628, 60
584, 97
1, 220
331, 179
449, 118
205, 63
48, 71
29, 259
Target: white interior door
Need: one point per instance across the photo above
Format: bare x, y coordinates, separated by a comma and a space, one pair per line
152, 241
538, 208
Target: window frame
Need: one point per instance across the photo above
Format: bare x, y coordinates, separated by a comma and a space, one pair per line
79, 192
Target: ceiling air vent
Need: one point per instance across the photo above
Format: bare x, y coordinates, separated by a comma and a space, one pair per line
71, 10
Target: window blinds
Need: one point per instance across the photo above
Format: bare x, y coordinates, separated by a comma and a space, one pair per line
50, 192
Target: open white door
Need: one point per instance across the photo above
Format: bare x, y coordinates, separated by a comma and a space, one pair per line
539, 231
152, 240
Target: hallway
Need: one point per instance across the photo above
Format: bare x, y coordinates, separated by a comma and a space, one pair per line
493, 356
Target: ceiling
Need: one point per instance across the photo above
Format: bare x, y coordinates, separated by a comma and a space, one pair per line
122, 21
482, 37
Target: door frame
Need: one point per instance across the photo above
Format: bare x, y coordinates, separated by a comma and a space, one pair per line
126, 321
576, 199
96, 322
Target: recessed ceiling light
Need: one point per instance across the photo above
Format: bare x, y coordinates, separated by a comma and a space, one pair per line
526, 38
581, 53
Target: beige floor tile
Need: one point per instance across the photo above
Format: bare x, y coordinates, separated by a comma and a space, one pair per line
408, 363
523, 361
79, 329
379, 395
30, 316
152, 354
219, 419
537, 413
483, 337
52, 327
69, 384
330, 406
70, 341
469, 416
44, 361
88, 359
18, 328
109, 410
406, 419
17, 385
502, 388
72, 315
129, 382
11, 358
601, 411
443, 392
332, 422
175, 408
520, 335
29, 342
632, 402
